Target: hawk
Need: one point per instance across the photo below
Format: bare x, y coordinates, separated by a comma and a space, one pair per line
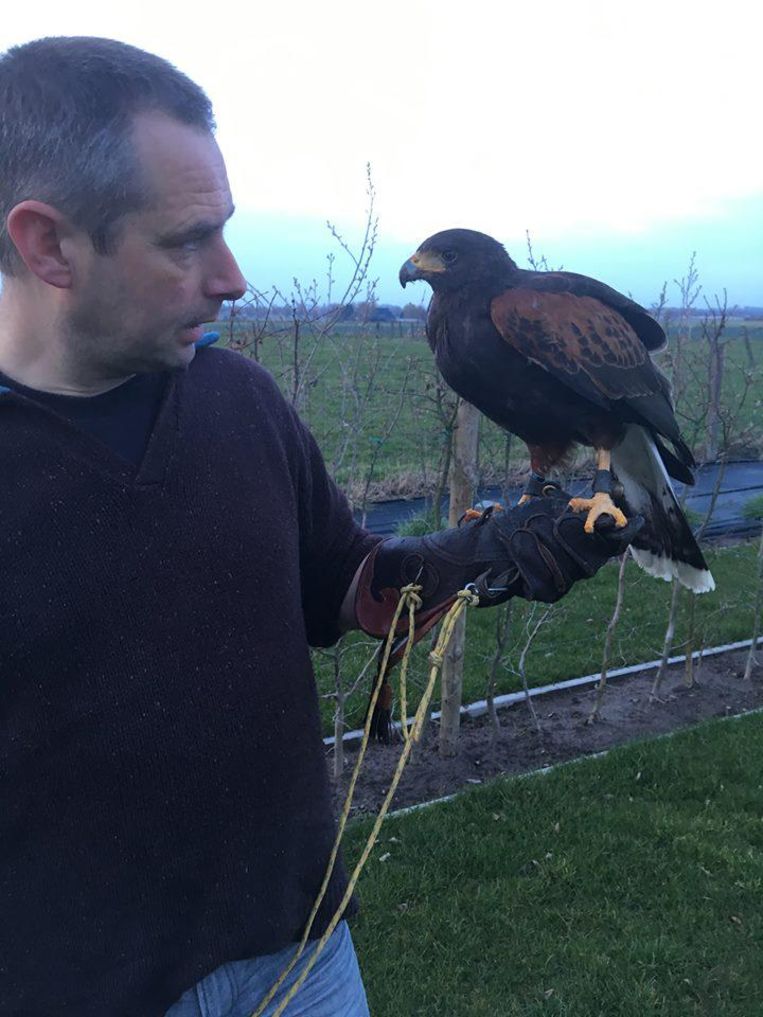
560, 359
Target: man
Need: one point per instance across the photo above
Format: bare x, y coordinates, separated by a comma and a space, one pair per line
171, 545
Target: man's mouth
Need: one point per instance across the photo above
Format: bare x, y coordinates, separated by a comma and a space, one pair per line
191, 333
193, 330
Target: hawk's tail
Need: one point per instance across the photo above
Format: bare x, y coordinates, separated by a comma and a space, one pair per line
665, 547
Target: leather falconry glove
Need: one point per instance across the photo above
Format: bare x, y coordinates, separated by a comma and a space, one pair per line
536, 551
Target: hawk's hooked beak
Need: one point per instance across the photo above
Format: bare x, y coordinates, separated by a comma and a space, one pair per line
419, 265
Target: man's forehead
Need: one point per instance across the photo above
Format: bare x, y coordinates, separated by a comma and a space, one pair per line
181, 165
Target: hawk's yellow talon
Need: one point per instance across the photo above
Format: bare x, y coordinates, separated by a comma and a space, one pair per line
601, 504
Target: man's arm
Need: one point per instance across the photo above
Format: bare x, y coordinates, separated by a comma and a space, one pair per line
536, 551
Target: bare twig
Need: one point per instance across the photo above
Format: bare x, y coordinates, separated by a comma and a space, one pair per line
379, 443
667, 644
608, 638
502, 629
532, 633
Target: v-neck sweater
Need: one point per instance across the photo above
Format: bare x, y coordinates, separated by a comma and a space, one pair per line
121, 418
165, 800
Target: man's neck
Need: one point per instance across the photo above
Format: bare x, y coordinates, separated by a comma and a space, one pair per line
44, 384
32, 352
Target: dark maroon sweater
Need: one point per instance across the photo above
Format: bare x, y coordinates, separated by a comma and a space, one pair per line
165, 804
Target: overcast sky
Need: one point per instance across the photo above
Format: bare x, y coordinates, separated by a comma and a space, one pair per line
623, 136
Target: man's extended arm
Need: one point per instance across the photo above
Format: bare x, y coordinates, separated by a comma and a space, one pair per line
537, 551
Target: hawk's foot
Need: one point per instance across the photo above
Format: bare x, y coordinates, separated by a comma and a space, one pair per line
599, 505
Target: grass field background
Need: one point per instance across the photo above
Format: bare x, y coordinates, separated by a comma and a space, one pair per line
618, 887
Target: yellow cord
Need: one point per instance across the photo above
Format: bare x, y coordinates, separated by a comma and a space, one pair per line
414, 602
408, 595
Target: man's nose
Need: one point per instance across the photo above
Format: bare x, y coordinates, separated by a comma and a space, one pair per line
224, 280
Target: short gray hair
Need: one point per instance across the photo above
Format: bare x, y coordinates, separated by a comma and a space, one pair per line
66, 112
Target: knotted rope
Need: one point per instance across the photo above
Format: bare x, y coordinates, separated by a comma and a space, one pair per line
409, 597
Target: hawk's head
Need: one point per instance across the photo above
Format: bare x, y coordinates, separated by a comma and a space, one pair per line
455, 258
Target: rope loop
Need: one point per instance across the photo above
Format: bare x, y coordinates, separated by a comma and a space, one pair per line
436, 659
410, 594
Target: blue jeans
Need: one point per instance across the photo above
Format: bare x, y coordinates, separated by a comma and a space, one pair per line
332, 989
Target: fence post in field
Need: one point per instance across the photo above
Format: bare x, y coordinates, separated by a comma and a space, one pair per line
462, 485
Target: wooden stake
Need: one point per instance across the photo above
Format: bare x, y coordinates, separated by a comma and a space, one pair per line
463, 480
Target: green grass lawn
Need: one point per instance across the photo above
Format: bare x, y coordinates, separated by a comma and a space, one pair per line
618, 887
571, 642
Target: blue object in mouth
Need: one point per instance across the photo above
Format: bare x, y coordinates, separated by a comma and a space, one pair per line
207, 339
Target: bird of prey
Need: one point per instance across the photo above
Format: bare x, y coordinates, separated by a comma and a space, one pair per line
560, 359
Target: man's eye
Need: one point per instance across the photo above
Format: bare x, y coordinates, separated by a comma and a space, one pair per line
449, 256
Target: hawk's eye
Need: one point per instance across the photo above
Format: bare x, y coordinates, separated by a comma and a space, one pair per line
449, 257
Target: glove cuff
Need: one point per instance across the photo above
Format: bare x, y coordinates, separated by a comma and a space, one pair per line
375, 608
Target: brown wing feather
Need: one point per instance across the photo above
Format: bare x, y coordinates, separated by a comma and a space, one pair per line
579, 340
648, 330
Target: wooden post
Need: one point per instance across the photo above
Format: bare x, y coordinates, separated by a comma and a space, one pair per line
463, 481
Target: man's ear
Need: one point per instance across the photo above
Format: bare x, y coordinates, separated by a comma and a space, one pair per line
39, 232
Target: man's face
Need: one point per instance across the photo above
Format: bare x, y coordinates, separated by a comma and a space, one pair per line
138, 308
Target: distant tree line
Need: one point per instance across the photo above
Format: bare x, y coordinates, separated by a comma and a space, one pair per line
362, 312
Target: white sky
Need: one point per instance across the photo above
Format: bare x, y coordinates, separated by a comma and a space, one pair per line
570, 119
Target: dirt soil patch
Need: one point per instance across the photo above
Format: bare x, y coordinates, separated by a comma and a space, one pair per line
626, 715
